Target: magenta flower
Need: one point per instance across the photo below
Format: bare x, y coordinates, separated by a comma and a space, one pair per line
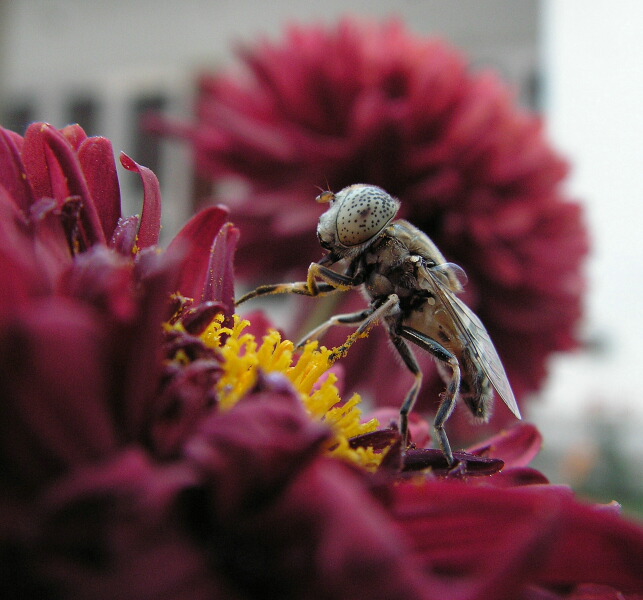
373, 103
151, 448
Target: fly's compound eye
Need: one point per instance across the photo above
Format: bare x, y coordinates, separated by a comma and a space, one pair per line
364, 211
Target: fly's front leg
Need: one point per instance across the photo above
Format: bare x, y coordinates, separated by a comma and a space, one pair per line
451, 394
331, 281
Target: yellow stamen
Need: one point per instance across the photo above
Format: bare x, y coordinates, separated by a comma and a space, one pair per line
244, 358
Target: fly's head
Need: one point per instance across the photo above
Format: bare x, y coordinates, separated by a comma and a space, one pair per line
357, 216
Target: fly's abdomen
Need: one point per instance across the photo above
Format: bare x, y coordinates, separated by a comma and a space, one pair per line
475, 389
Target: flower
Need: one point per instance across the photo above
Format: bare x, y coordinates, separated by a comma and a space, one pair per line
151, 446
372, 102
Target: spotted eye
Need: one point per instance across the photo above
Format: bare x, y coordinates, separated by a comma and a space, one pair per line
364, 211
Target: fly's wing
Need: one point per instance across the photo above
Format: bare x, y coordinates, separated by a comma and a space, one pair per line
473, 331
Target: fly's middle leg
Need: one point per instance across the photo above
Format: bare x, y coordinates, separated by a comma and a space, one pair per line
348, 319
371, 315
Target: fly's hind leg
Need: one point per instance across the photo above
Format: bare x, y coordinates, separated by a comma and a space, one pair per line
451, 394
410, 361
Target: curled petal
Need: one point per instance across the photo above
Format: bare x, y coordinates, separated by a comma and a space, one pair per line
150, 225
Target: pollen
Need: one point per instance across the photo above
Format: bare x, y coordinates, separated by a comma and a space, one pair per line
244, 358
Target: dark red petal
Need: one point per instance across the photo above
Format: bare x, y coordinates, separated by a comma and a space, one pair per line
196, 320
516, 446
19, 275
103, 279
142, 354
108, 531
197, 237
219, 285
70, 177
254, 449
188, 397
96, 157
289, 523
595, 546
13, 177
150, 226
325, 537
434, 459
54, 413
419, 427
500, 540
51, 246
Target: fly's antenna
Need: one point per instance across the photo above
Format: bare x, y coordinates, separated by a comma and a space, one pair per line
325, 194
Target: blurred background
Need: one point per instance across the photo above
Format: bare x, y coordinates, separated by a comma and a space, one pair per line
104, 64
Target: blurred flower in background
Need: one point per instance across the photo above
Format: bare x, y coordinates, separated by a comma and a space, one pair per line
365, 102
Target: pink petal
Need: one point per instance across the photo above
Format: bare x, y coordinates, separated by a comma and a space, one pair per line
75, 135
35, 162
96, 157
198, 236
150, 227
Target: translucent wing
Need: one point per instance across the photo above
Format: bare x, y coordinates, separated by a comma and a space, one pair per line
475, 334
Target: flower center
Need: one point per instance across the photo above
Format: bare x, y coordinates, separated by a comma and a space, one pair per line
244, 358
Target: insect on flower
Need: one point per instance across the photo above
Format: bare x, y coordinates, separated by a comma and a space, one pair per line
413, 291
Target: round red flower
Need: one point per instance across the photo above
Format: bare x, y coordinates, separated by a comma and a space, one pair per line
123, 476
